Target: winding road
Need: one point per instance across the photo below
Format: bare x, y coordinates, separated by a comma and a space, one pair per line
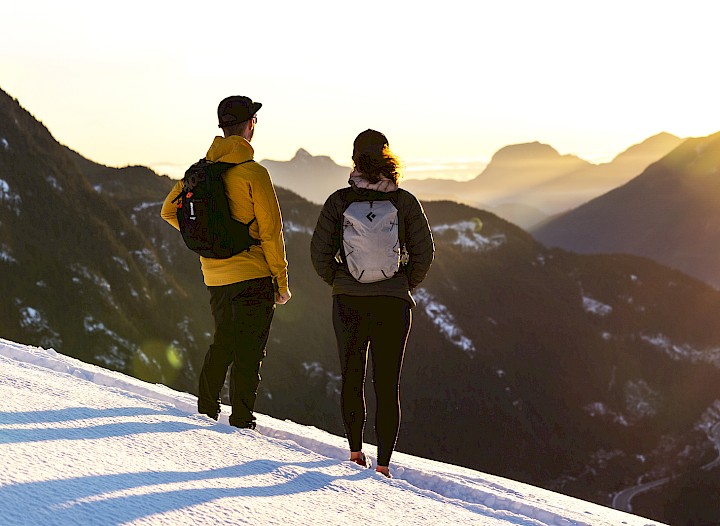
623, 499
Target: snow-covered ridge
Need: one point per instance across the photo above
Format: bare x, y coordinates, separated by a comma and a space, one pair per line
133, 440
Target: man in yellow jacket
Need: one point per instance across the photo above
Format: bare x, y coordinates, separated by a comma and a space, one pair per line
245, 287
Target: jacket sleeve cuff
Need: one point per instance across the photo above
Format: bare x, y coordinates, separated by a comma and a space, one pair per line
282, 283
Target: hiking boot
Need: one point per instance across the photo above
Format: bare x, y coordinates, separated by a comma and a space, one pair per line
242, 424
214, 416
211, 410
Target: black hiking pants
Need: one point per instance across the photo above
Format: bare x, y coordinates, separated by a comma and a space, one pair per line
243, 312
380, 324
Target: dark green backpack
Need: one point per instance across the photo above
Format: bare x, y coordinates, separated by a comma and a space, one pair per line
203, 213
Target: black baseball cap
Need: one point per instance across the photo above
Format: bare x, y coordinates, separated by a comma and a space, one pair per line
236, 109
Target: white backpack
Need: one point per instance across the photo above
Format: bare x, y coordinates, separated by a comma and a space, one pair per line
370, 240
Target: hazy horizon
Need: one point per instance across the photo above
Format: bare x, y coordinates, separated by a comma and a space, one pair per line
462, 169
140, 84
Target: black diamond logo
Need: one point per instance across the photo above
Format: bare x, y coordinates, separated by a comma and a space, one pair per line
371, 216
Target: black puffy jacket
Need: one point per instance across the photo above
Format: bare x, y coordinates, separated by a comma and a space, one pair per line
414, 232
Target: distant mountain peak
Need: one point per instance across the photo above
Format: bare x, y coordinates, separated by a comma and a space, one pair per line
530, 150
302, 154
663, 135
654, 147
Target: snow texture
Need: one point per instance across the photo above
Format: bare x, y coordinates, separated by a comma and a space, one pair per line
80, 444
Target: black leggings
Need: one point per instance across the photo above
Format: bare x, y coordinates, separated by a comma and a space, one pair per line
382, 324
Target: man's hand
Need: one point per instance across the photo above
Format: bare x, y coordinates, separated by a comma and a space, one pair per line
282, 299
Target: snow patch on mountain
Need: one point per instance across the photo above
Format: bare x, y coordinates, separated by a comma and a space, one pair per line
52, 181
5, 254
469, 237
34, 321
122, 263
114, 357
82, 271
710, 417
316, 373
10, 198
596, 307
144, 206
147, 259
641, 400
291, 228
443, 319
683, 351
184, 326
599, 409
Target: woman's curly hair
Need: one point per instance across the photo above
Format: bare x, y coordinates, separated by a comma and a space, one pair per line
372, 157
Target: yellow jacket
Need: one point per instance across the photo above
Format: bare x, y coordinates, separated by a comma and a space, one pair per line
251, 195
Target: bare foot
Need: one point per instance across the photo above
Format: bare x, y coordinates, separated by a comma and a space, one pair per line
359, 458
385, 470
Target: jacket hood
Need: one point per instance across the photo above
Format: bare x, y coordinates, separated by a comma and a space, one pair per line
384, 185
233, 149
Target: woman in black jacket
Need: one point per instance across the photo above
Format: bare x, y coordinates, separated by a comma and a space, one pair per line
372, 286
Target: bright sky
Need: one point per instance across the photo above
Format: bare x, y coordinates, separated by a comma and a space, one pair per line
138, 82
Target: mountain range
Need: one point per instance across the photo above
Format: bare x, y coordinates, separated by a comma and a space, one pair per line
527, 184
668, 213
578, 373
312, 177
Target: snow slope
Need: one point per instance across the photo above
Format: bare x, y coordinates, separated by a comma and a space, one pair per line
82, 445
